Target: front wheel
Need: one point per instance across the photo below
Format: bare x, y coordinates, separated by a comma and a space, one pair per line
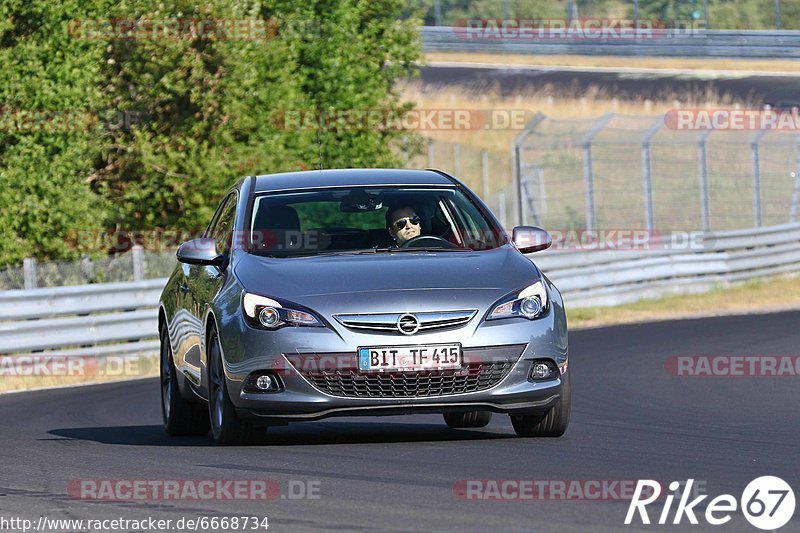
553, 423
180, 416
226, 426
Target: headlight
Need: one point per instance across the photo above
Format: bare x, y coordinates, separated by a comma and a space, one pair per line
271, 314
530, 303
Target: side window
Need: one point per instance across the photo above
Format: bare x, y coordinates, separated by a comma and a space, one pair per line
221, 228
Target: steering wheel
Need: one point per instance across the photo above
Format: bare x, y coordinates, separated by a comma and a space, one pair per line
424, 241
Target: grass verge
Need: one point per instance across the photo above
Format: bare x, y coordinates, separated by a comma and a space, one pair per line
667, 63
760, 296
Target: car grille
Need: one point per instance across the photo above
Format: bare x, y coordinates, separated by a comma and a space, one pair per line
396, 322
474, 376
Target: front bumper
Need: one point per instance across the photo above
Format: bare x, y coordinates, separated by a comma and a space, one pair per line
517, 341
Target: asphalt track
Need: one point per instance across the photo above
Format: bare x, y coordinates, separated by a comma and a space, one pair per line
630, 420
750, 88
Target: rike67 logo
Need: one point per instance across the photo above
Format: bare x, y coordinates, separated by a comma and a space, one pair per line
767, 503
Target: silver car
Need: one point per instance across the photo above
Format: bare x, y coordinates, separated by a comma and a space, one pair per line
360, 292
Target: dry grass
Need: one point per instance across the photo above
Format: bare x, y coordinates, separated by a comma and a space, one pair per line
779, 293
555, 103
680, 63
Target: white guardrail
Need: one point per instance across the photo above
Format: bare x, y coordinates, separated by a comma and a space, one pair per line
121, 318
774, 44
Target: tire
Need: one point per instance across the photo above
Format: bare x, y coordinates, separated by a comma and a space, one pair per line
226, 426
180, 416
553, 423
471, 419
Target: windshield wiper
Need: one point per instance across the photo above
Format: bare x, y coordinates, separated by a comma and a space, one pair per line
367, 251
422, 249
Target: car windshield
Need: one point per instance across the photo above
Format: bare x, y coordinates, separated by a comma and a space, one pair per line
352, 220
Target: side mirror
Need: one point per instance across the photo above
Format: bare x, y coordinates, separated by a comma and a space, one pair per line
531, 239
200, 252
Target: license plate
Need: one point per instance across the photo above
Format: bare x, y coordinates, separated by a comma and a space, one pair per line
410, 358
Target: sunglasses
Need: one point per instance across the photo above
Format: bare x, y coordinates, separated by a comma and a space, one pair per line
401, 224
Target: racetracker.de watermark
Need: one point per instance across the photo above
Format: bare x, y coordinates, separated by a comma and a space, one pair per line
440, 119
609, 239
551, 489
593, 29
733, 119
732, 366
44, 365
16, 120
192, 489
174, 28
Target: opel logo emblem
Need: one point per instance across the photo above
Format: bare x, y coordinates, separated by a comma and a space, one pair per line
408, 324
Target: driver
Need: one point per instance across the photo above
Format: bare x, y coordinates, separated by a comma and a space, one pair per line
403, 224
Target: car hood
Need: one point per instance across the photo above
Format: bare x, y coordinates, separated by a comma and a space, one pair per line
385, 282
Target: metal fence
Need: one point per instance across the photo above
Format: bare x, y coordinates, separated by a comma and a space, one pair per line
754, 14
487, 173
136, 265
752, 44
619, 171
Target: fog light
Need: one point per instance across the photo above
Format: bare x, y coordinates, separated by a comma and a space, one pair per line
530, 307
540, 371
269, 317
266, 383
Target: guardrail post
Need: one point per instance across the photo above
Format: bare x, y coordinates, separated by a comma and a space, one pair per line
137, 256
588, 171
457, 160
485, 173
647, 178
756, 157
796, 190
430, 153
703, 176
29, 273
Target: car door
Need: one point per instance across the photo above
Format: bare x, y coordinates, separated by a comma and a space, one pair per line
206, 281
194, 290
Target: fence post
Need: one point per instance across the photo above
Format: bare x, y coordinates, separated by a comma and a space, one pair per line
405, 150
137, 256
796, 190
647, 177
430, 153
588, 171
516, 163
485, 173
501, 206
29, 273
437, 12
756, 157
457, 160
777, 14
703, 176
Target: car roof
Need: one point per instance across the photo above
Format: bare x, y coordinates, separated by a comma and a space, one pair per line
349, 177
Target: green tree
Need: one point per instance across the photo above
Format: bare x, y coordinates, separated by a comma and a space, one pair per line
50, 99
